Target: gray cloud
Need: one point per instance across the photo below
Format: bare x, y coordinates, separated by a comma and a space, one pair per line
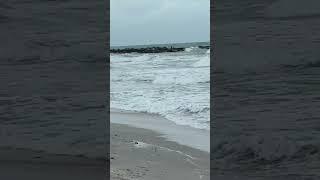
159, 21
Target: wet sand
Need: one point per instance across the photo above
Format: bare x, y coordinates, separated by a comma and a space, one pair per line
138, 153
182, 134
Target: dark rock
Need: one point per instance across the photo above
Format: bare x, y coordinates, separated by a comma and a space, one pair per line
147, 50
204, 47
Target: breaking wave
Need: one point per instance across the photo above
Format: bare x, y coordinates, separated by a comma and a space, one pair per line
174, 85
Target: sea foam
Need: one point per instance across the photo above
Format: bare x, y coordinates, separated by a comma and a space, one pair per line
173, 85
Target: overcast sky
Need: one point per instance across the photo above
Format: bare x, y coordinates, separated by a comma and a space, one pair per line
137, 22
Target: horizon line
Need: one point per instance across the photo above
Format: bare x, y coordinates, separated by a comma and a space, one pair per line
160, 43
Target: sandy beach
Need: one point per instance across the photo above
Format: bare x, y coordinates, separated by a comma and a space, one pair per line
138, 153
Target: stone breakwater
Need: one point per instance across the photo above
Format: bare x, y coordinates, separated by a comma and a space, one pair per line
204, 47
152, 49
147, 50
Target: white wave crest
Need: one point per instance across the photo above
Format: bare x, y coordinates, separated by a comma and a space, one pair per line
189, 49
203, 62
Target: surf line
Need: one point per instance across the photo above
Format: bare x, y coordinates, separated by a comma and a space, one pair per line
189, 158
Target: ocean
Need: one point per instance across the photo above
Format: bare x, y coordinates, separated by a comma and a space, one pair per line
175, 85
266, 100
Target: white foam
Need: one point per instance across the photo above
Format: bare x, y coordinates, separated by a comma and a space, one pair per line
189, 49
139, 144
174, 85
203, 62
182, 76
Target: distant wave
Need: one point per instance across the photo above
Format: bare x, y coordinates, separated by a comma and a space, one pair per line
189, 49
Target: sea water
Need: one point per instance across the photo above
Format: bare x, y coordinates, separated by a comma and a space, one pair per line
175, 85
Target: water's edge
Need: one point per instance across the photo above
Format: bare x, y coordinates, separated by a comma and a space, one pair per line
184, 135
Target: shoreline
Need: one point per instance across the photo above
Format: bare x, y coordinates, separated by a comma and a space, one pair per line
181, 134
137, 153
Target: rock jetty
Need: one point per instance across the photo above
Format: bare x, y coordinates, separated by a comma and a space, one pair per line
204, 47
147, 50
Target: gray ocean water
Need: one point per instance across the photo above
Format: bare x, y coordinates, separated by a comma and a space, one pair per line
173, 85
53, 78
266, 91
